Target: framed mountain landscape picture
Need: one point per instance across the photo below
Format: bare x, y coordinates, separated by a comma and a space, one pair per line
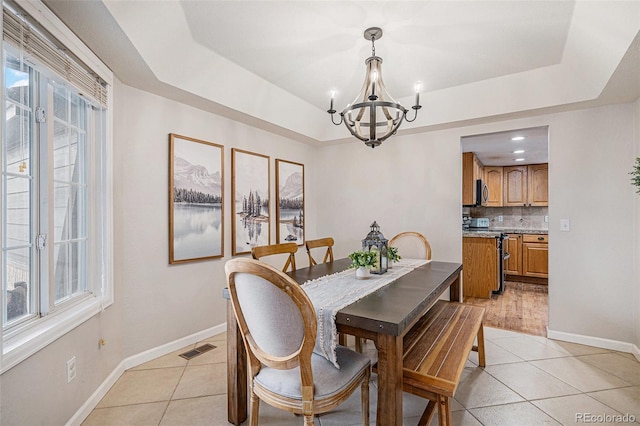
250, 187
290, 207
196, 199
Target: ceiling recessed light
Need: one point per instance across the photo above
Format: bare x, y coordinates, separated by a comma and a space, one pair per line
517, 138
520, 151
519, 159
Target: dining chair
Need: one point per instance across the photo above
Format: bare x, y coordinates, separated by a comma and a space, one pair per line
322, 242
412, 245
278, 325
259, 252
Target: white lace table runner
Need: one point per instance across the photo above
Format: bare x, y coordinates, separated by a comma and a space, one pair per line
333, 292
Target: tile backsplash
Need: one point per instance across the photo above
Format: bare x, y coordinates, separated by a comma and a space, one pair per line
512, 217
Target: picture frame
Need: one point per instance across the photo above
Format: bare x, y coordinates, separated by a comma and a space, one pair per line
250, 186
290, 213
196, 199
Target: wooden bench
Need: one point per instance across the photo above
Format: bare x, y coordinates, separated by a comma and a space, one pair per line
435, 352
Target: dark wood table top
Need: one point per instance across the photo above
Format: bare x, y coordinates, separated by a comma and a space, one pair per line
393, 308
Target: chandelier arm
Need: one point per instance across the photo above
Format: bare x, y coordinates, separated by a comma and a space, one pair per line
415, 115
339, 122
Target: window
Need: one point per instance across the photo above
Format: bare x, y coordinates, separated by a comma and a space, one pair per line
55, 202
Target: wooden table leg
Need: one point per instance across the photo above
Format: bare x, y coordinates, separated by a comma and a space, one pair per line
455, 295
236, 371
389, 380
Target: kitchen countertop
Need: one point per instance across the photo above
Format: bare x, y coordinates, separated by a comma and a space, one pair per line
495, 232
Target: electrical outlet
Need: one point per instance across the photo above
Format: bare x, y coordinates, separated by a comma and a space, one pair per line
565, 225
546, 219
71, 369
499, 218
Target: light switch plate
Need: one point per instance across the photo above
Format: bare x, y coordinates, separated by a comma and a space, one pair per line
565, 225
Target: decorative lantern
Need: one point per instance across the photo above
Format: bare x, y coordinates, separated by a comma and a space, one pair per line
376, 241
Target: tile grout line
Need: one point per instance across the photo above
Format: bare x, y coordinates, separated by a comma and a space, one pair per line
164, 413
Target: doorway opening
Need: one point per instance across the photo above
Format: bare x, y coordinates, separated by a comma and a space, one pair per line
506, 197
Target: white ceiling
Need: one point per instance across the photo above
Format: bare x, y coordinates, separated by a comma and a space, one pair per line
497, 149
272, 64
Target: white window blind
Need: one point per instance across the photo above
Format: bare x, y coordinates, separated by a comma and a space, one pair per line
42, 50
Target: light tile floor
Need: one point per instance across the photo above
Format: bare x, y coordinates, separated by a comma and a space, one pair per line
529, 380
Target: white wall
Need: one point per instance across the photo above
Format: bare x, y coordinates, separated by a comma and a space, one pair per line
165, 302
410, 183
636, 232
591, 267
414, 183
36, 392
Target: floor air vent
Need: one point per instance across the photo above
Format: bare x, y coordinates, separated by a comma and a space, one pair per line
197, 351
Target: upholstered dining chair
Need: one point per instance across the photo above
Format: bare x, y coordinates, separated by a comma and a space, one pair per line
259, 252
278, 325
322, 242
412, 245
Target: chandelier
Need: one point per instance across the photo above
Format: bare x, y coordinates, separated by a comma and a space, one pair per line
374, 115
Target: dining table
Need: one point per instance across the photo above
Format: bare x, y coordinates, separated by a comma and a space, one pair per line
383, 317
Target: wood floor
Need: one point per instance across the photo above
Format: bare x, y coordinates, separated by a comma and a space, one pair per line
522, 307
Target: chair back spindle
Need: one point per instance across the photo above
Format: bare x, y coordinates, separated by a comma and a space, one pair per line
259, 252
322, 242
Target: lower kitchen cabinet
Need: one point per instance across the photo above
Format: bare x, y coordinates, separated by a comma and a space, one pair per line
535, 255
513, 265
479, 266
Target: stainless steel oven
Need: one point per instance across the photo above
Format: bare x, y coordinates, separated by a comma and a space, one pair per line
503, 255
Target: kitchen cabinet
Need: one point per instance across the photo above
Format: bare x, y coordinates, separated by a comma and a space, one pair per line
526, 185
515, 185
493, 180
535, 255
479, 266
538, 184
471, 171
513, 265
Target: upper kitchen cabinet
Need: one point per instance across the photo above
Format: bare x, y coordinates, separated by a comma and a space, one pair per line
471, 171
493, 180
515, 186
526, 185
538, 190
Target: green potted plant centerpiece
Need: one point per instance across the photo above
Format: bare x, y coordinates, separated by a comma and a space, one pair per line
362, 261
393, 255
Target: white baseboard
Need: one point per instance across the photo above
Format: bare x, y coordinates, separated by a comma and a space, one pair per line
141, 358
636, 352
597, 342
134, 361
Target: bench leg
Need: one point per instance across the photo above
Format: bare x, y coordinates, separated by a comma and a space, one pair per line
444, 411
481, 359
427, 416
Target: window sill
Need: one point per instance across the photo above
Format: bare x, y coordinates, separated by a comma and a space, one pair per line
21, 346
